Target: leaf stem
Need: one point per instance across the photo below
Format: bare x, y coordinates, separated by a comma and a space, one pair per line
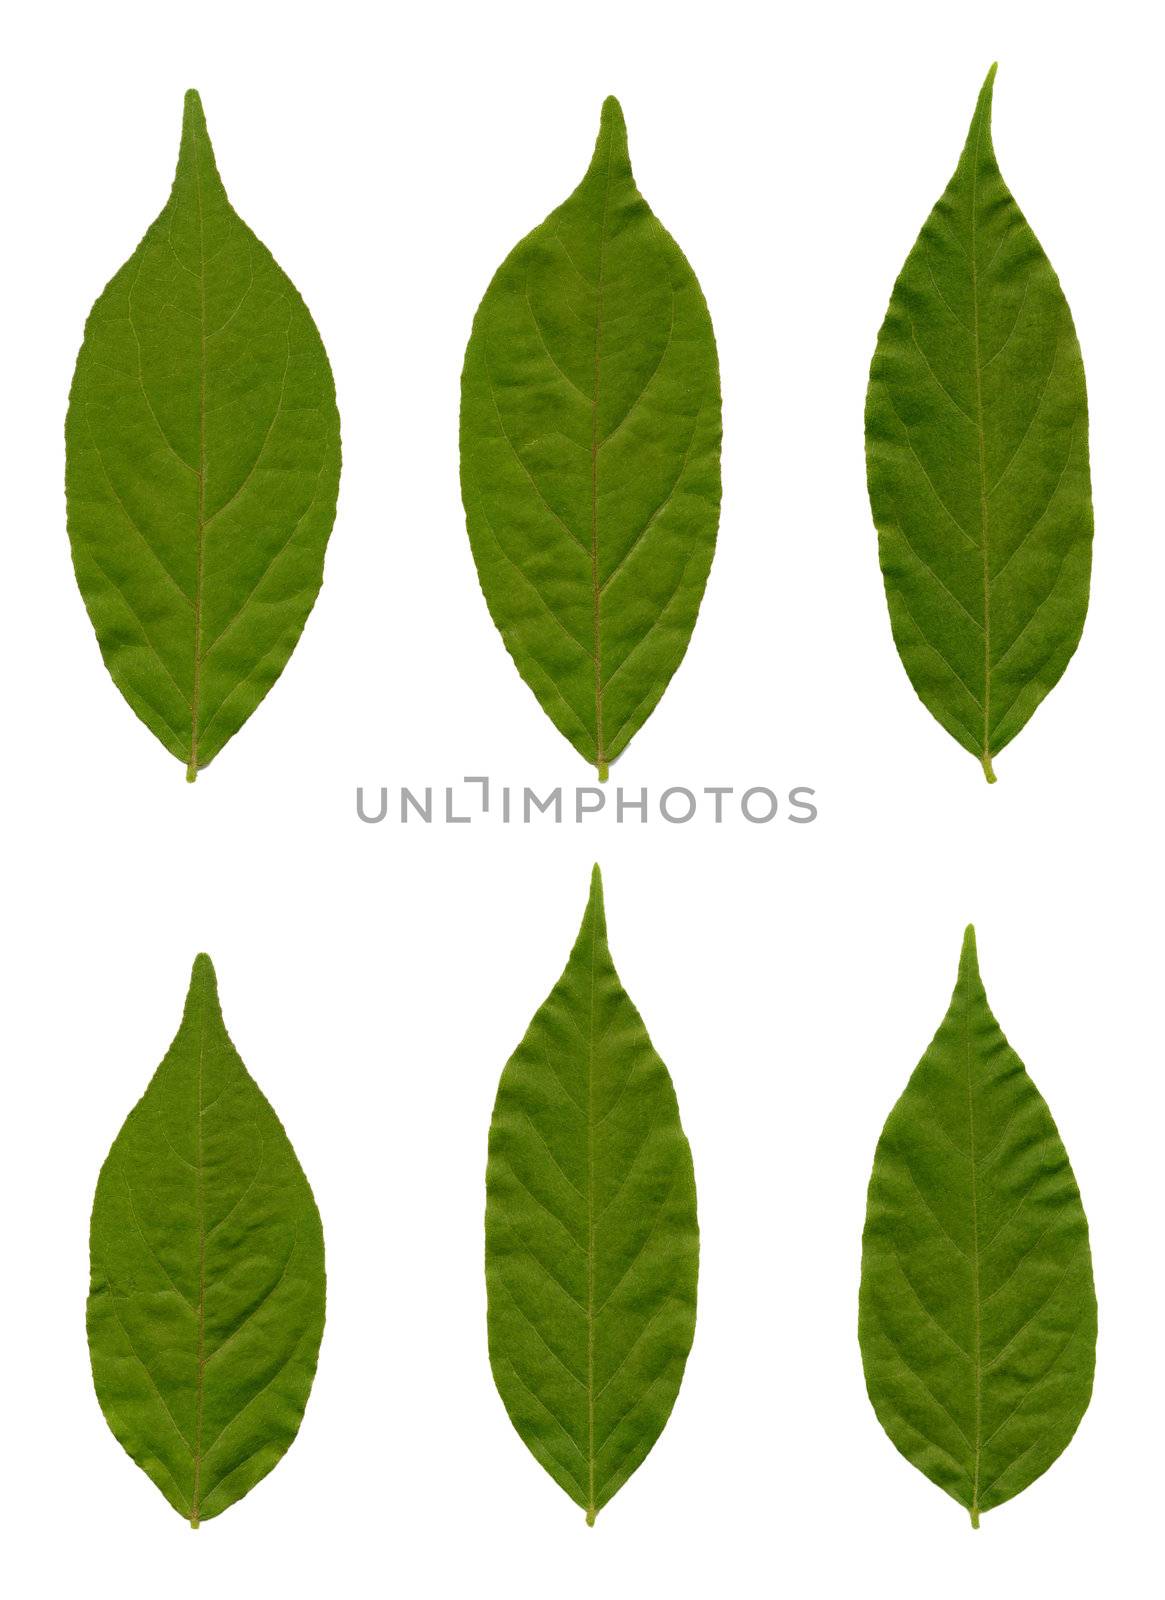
985, 758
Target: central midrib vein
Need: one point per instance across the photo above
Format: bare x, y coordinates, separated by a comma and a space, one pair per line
591, 1509
986, 755
974, 1273
596, 589
200, 1208
192, 768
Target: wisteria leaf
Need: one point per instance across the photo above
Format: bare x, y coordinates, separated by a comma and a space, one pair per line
977, 1312
590, 454
591, 1238
206, 1305
202, 465
977, 460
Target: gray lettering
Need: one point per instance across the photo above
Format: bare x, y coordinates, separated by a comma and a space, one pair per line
383, 806
804, 805
639, 805
408, 798
666, 814
747, 795
554, 798
719, 796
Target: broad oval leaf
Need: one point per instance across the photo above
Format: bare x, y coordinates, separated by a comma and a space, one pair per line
202, 465
206, 1305
590, 454
977, 1314
592, 1245
977, 460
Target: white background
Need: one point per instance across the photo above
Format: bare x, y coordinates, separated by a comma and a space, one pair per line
376, 978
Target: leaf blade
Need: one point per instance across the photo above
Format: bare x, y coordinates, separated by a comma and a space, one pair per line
590, 440
976, 1291
202, 465
977, 460
591, 1235
206, 1305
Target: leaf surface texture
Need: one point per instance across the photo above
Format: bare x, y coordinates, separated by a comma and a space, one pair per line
978, 1314
591, 1236
590, 454
206, 1306
977, 460
203, 465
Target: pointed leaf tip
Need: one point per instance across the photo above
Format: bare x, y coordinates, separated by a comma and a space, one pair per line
595, 905
986, 93
193, 115
203, 969
969, 955
613, 127
193, 151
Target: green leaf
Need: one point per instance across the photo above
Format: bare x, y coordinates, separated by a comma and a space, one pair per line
978, 1315
977, 460
206, 1305
590, 454
203, 464
591, 1241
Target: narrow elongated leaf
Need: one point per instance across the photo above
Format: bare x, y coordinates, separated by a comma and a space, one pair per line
977, 460
978, 1314
203, 463
591, 1243
206, 1306
590, 454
